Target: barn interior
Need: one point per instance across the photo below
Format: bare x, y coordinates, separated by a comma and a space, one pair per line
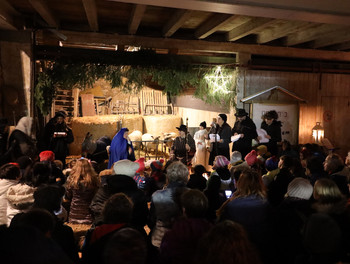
300, 46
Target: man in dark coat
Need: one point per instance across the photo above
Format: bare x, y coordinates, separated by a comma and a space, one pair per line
57, 136
220, 147
246, 128
273, 129
183, 146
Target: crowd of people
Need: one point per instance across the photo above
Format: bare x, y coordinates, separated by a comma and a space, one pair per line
269, 203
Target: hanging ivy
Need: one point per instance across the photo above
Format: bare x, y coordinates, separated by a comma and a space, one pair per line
173, 78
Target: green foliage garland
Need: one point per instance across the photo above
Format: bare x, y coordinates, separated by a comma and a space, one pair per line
172, 78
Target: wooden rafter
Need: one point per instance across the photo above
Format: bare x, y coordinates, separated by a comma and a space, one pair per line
281, 29
135, 19
328, 14
45, 12
249, 28
342, 46
312, 33
7, 16
211, 25
175, 22
332, 38
202, 45
91, 13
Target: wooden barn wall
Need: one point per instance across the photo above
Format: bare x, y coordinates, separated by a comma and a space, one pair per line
327, 97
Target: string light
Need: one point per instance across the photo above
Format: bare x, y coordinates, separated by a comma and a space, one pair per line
218, 81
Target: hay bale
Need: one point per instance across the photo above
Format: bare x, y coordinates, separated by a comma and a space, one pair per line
100, 126
159, 124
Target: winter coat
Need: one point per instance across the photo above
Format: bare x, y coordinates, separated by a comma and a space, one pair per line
248, 128
5, 184
80, 198
223, 148
274, 131
126, 185
20, 199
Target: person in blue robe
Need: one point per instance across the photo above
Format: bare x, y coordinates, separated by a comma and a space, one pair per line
121, 148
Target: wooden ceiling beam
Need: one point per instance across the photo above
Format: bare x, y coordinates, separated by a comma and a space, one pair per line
176, 21
252, 26
332, 38
135, 18
310, 34
212, 25
45, 12
342, 46
199, 45
91, 14
293, 10
281, 29
8, 16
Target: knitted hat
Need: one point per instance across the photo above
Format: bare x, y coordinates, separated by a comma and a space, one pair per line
47, 155
126, 167
203, 124
223, 117
235, 157
157, 165
251, 158
271, 163
141, 161
300, 188
262, 149
221, 161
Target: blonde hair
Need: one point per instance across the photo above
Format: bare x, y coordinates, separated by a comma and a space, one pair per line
83, 174
327, 191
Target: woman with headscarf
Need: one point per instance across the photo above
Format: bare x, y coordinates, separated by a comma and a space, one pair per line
20, 141
121, 148
221, 146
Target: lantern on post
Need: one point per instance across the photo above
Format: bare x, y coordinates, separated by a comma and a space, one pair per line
318, 132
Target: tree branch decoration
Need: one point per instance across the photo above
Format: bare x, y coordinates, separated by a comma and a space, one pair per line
212, 84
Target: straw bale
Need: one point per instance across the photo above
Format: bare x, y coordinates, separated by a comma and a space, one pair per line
159, 124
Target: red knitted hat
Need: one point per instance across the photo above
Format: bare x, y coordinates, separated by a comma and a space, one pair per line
141, 161
47, 155
251, 158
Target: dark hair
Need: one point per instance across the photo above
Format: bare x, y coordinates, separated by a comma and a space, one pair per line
226, 243
127, 246
10, 172
41, 219
49, 197
271, 115
199, 169
117, 209
195, 203
288, 162
315, 164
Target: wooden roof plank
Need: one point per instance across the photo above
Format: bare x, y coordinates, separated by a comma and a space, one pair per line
212, 25
136, 17
176, 21
45, 12
249, 28
91, 13
332, 38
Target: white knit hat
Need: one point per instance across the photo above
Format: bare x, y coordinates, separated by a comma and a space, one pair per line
126, 167
300, 188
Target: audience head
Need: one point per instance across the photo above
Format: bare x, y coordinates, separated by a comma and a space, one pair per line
10, 171
42, 173
333, 163
226, 243
235, 157
220, 162
194, 203
271, 163
177, 172
141, 162
157, 165
83, 174
126, 167
127, 246
285, 162
49, 197
327, 191
251, 158
199, 169
300, 188
250, 183
47, 155
117, 209
314, 165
